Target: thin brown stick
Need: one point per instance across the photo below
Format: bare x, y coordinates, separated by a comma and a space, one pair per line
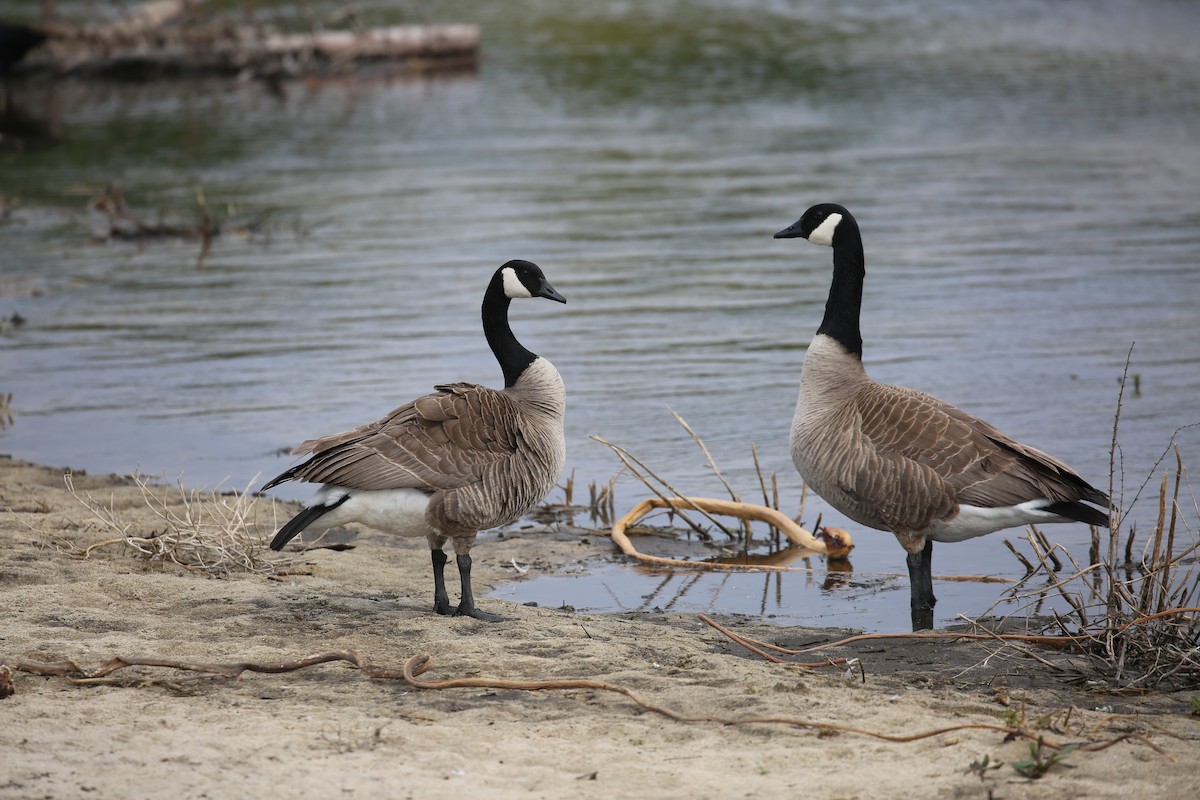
1165, 577
1029, 568
762, 485
1049, 641
743, 642
707, 455
632, 462
415, 666
759, 648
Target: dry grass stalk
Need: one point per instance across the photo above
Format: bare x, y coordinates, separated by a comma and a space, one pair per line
636, 468
733, 495
210, 531
1138, 624
6, 410
647, 475
602, 501
771, 500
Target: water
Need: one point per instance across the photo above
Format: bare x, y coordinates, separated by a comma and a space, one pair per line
1025, 178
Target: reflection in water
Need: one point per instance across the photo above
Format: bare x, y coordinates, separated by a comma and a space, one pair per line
775, 558
813, 570
786, 596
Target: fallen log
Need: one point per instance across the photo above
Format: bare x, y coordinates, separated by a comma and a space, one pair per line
257, 54
148, 18
167, 37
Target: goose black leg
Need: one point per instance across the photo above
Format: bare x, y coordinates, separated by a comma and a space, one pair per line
466, 605
441, 600
920, 576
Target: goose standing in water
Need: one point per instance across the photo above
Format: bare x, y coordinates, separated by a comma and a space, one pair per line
463, 459
900, 460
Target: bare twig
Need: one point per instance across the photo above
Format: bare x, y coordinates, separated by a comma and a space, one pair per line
632, 463
213, 532
712, 464
419, 664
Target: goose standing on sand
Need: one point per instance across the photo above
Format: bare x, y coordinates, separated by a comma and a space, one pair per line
450, 464
900, 460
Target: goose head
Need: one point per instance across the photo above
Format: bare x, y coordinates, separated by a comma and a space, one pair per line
819, 224
525, 279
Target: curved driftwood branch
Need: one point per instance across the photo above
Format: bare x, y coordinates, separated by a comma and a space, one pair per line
833, 542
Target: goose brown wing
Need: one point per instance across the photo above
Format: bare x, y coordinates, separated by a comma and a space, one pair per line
945, 456
910, 450
442, 440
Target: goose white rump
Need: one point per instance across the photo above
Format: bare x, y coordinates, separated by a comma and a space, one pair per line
396, 511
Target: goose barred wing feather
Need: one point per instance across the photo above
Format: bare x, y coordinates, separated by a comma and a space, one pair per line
444, 440
922, 447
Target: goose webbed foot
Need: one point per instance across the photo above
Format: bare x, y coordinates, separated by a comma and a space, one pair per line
472, 611
466, 606
920, 576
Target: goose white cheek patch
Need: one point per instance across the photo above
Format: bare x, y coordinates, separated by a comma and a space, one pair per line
513, 286
823, 233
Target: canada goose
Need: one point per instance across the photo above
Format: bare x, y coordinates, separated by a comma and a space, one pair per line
900, 460
450, 464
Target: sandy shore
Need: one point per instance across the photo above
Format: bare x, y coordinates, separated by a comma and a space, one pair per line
331, 731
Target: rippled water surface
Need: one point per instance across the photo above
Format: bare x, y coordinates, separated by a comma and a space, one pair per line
1025, 177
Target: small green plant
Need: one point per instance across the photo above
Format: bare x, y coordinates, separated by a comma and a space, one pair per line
1195, 706
1041, 759
981, 766
1014, 715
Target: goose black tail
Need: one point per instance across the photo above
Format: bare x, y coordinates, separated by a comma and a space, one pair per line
1080, 513
302, 520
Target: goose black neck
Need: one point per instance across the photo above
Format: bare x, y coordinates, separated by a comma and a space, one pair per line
512, 357
844, 305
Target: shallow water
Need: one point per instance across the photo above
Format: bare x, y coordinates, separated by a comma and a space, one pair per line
1025, 178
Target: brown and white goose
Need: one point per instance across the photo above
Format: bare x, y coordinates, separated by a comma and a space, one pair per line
900, 460
449, 464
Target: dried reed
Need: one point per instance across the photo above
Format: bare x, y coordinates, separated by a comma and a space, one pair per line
1136, 620
664, 490
210, 531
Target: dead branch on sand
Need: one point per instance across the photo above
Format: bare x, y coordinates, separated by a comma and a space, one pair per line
421, 663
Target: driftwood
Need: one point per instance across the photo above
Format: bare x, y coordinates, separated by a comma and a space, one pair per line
833, 542
168, 37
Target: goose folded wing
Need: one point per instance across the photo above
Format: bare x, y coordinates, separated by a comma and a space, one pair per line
978, 463
442, 440
904, 458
